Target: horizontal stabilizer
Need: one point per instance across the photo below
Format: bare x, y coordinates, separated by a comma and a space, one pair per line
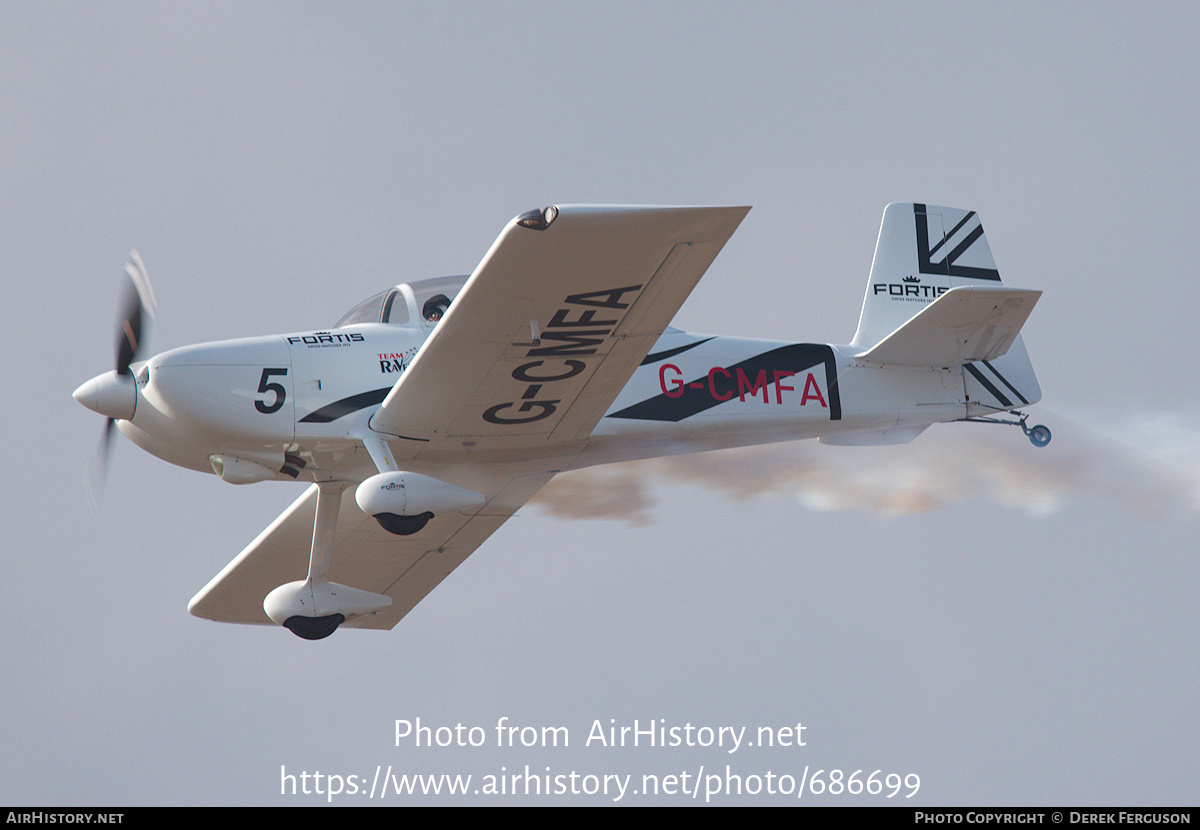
965, 324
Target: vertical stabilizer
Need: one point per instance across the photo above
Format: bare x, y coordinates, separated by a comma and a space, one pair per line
922, 252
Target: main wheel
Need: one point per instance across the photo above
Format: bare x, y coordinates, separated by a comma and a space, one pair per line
1039, 435
403, 525
314, 628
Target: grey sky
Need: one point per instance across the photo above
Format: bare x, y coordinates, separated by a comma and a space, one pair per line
275, 163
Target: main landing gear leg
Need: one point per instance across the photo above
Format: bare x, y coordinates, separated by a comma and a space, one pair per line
314, 608
329, 502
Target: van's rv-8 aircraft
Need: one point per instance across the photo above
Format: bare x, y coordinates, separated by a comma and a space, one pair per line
432, 411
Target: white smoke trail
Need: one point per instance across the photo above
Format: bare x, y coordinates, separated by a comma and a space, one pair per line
1149, 464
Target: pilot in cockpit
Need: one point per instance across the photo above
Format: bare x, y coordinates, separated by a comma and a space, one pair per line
435, 307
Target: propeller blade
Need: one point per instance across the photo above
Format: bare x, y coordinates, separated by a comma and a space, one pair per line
96, 472
136, 310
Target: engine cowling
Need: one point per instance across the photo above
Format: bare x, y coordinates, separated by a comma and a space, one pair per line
403, 502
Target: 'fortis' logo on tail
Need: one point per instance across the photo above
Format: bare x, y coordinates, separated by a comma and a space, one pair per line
909, 287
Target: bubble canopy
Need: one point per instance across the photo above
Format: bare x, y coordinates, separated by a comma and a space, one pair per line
422, 302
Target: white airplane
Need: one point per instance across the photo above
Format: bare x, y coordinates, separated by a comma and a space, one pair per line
428, 414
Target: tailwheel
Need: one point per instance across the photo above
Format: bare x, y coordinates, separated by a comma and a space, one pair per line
1039, 434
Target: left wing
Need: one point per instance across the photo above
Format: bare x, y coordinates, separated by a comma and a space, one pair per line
405, 568
552, 324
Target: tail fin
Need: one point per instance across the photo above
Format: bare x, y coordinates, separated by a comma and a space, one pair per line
924, 252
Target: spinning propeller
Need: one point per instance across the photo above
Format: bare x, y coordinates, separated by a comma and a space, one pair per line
114, 394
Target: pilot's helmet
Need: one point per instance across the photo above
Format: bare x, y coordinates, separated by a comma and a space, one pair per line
435, 307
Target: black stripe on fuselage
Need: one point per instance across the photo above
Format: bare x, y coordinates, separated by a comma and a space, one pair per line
339, 409
657, 356
695, 397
